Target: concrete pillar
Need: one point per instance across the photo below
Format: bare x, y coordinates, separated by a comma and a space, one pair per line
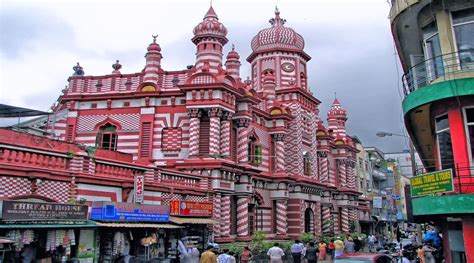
194, 114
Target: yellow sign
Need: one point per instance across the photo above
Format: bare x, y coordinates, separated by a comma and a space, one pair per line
432, 183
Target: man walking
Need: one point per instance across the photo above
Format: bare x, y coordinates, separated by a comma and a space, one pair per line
296, 250
208, 256
311, 253
276, 253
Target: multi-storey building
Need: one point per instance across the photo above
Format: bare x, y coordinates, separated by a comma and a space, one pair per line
363, 183
257, 145
435, 41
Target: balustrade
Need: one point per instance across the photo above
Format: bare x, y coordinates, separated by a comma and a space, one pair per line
29, 159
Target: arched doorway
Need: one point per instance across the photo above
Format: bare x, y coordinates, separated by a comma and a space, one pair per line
309, 220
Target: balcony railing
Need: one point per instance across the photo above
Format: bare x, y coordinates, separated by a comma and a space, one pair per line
440, 68
463, 180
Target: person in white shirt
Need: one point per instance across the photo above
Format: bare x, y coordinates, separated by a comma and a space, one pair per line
296, 250
224, 257
276, 253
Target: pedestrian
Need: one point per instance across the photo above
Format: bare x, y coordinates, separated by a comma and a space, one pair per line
322, 250
349, 245
338, 248
246, 255
232, 257
208, 256
311, 253
371, 242
404, 258
427, 252
357, 244
296, 250
194, 252
412, 238
331, 249
420, 254
276, 254
224, 257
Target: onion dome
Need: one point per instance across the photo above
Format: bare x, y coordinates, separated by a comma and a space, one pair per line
78, 71
154, 47
210, 27
277, 37
233, 55
337, 111
117, 66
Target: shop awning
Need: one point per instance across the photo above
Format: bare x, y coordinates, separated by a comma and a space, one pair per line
39, 225
193, 220
137, 225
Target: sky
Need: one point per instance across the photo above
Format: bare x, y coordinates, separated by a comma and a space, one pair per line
350, 42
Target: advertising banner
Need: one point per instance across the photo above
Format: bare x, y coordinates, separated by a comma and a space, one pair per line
139, 188
432, 183
377, 202
20, 210
112, 211
187, 208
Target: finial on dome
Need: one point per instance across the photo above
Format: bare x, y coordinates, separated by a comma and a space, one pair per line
211, 13
78, 71
154, 37
277, 12
233, 47
117, 66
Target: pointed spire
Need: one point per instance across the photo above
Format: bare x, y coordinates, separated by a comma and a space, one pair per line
211, 14
277, 21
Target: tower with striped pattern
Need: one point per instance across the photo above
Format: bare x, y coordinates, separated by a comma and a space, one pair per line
209, 38
153, 62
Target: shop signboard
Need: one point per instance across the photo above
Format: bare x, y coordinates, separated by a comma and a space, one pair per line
113, 211
22, 211
188, 208
139, 188
432, 183
377, 202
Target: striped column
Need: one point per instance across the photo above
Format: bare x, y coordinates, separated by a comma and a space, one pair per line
345, 227
335, 217
225, 216
217, 214
242, 216
242, 140
323, 166
351, 180
342, 172
279, 152
281, 223
214, 130
194, 114
226, 123
326, 217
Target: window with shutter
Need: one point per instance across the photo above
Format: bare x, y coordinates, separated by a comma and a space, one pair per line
204, 132
145, 140
107, 137
69, 132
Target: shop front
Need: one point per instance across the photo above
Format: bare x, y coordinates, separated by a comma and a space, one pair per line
196, 218
47, 232
135, 232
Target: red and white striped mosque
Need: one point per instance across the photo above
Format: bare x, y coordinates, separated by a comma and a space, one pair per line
256, 148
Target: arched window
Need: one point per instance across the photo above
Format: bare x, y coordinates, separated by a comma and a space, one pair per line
308, 220
107, 137
255, 151
307, 163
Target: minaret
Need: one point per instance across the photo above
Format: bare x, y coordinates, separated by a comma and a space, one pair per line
153, 62
209, 38
337, 117
232, 63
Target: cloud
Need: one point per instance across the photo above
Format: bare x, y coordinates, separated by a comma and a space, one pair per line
349, 42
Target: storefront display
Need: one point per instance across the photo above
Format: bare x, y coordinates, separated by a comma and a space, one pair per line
43, 232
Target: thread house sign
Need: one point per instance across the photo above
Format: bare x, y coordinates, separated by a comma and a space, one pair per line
113, 211
23, 211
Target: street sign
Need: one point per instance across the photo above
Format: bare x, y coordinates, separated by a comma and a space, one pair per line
432, 183
377, 202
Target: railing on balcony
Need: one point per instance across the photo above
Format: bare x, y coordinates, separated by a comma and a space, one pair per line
463, 180
33, 159
442, 67
178, 180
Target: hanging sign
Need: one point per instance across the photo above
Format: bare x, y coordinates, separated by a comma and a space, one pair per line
377, 202
139, 188
432, 183
113, 211
20, 210
188, 208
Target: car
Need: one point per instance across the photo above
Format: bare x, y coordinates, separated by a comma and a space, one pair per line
364, 258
